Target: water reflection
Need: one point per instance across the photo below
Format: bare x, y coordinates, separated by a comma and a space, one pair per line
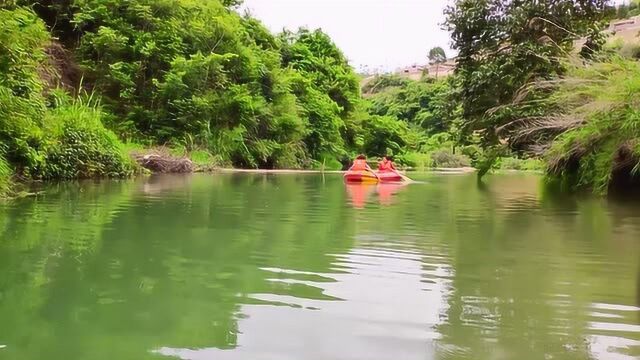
396, 323
157, 184
360, 194
387, 191
277, 267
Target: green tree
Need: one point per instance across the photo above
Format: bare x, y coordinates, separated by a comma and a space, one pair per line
43, 132
196, 73
418, 103
437, 56
327, 89
189, 74
503, 46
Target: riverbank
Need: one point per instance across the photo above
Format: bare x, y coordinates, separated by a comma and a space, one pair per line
18, 189
462, 170
167, 160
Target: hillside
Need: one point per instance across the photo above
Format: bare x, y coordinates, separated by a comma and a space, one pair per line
106, 76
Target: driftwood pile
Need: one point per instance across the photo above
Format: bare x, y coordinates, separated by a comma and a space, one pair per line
163, 162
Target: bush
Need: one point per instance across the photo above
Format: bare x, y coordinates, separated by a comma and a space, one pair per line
221, 80
5, 176
415, 102
622, 12
415, 160
382, 82
471, 151
204, 160
328, 162
630, 50
439, 141
326, 88
514, 163
594, 117
22, 107
384, 135
80, 147
447, 159
66, 140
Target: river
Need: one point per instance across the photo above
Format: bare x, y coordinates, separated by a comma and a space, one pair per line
302, 267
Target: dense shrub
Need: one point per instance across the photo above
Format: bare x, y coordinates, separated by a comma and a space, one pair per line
189, 74
605, 143
46, 137
196, 74
78, 146
514, 163
415, 160
5, 176
408, 118
447, 159
630, 50
206, 75
380, 83
327, 89
593, 115
415, 102
384, 135
22, 106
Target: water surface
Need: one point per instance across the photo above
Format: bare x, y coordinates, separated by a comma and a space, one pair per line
261, 267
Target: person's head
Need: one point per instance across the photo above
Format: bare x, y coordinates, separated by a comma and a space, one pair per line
388, 157
361, 157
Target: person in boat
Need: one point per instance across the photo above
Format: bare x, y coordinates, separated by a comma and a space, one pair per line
360, 164
386, 164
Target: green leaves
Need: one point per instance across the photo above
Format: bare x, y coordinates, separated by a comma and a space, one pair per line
418, 103
176, 68
5, 175
437, 55
327, 90
78, 146
108, 42
170, 70
22, 40
66, 140
503, 46
599, 146
384, 135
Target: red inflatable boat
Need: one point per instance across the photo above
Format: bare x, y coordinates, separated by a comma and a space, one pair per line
367, 177
389, 176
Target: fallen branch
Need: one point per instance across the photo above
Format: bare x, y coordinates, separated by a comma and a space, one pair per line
162, 162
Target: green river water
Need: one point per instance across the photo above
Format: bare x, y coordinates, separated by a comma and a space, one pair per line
302, 267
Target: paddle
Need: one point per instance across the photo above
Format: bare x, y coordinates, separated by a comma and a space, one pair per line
405, 178
374, 174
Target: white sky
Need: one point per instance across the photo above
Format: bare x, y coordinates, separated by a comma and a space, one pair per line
381, 34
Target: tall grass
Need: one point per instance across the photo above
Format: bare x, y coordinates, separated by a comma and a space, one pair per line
5, 177
78, 145
22, 39
593, 117
47, 134
605, 97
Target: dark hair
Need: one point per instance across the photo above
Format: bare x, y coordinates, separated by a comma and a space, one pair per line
389, 157
361, 157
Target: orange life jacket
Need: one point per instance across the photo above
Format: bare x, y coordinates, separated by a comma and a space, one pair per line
383, 165
386, 165
359, 164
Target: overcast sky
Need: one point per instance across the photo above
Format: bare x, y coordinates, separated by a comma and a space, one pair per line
377, 33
